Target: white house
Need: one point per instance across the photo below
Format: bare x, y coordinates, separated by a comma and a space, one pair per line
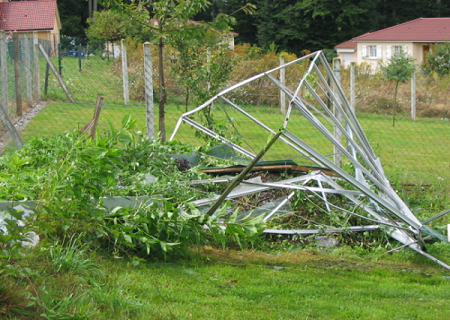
415, 37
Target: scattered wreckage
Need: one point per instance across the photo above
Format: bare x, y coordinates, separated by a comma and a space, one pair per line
317, 102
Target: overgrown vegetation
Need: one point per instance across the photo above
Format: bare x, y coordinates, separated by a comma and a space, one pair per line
72, 178
438, 61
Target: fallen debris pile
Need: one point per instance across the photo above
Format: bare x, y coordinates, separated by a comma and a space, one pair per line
352, 182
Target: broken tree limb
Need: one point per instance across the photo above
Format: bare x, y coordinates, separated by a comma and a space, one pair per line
55, 72
92, 125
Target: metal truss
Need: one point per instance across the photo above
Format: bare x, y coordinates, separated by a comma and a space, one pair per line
319, 98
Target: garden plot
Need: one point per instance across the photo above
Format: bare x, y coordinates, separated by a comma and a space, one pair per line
344, 148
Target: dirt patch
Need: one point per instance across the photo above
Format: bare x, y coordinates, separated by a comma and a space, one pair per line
304, 259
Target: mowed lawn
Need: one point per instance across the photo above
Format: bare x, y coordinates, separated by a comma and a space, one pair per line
263, 285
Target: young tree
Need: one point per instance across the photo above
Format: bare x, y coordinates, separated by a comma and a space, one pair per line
165, 19
202, 67
399, 69
107, 26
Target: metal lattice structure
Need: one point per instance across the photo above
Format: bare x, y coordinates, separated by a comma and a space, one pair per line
318, 98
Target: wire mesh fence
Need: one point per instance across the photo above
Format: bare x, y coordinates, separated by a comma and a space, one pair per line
412, 150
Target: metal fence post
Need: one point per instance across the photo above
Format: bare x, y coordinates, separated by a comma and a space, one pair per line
413, 96
123, 54
337, 154
36, 73
4, 72
60, 67
283, 83
27, 60
18, 82
79, 57
148, 76
47, 72
352, 86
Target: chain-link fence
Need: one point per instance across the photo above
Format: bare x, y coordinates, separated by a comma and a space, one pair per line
18, 70
412, 150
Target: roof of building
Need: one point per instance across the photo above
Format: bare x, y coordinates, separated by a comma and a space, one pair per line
28, 15
418, 30
350, 44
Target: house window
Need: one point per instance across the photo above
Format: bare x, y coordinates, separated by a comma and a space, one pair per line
397, 49
373, 52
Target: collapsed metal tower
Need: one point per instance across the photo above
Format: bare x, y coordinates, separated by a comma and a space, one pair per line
315, 102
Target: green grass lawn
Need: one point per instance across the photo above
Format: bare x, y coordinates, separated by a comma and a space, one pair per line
219, 284
294, 286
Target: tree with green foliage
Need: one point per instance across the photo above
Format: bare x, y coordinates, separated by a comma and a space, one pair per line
399, 69
202, 66
296, 25
165, 19
73, 15
108, 26
243, 11
438, 61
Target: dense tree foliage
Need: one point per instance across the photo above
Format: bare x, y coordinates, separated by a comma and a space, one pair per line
73, 14
292, 25
296, 26
438, 61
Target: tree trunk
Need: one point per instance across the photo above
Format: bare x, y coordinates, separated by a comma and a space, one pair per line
187, 99
395, 103
162, 92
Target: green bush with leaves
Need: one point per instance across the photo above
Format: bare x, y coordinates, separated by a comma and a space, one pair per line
69, 176
438, 61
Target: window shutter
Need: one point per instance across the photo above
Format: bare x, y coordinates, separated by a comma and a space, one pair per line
378, 52
364, 51
405, 49
388, 52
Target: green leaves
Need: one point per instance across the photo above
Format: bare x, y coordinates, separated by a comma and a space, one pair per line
400, 69
244, 229
156, 229
438, 61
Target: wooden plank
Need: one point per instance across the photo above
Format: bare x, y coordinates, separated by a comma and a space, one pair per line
36, 73
18, 82
271, 168
4, 72
98, 107
27, 60
92, 124
55, 72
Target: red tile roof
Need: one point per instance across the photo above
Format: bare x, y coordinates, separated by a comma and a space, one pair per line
350, 44
418, 30
28, 15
